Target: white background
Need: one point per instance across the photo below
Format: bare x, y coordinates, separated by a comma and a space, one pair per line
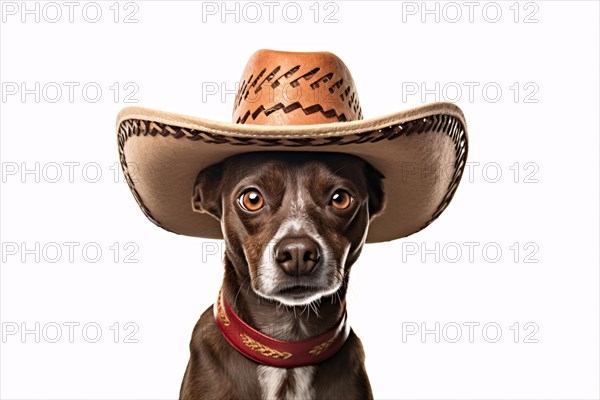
171, 56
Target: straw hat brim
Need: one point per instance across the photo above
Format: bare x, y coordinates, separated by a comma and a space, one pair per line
421, 152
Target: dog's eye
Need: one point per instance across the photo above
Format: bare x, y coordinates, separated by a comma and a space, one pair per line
341, 199
251, 200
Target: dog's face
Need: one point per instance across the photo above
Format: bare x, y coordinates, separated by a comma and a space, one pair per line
293, 223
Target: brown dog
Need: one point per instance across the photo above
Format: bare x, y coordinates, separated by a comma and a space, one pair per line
293, 223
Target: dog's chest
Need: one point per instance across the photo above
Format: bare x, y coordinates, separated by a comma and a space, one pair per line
281, 383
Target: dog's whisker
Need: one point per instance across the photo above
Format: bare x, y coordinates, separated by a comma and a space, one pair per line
240, 289
313, 305
302, 312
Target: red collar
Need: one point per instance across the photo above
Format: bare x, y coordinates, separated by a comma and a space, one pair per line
277, 353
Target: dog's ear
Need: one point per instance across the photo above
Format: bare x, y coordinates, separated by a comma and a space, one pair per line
206, 197
374, 180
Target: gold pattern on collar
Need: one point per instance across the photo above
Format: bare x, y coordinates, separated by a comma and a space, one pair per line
220, 311
318, 349
262, 349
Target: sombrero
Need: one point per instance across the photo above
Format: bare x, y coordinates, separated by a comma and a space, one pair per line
296, 102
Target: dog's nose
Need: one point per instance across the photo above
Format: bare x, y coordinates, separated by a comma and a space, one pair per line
297, 256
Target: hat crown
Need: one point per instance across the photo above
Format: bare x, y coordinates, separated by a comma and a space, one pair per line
293, 88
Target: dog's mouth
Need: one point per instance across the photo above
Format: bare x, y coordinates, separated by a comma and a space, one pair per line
297, 294
296, 291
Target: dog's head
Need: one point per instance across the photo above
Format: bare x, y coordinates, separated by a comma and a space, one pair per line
293, 223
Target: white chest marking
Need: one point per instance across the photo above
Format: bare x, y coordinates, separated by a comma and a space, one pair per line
271, 379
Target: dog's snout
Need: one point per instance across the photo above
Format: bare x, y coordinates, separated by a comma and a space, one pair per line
297, 255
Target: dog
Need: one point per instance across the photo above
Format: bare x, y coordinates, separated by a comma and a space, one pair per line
294, 219
293, 223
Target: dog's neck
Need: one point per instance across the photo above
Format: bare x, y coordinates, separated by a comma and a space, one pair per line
276, 320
